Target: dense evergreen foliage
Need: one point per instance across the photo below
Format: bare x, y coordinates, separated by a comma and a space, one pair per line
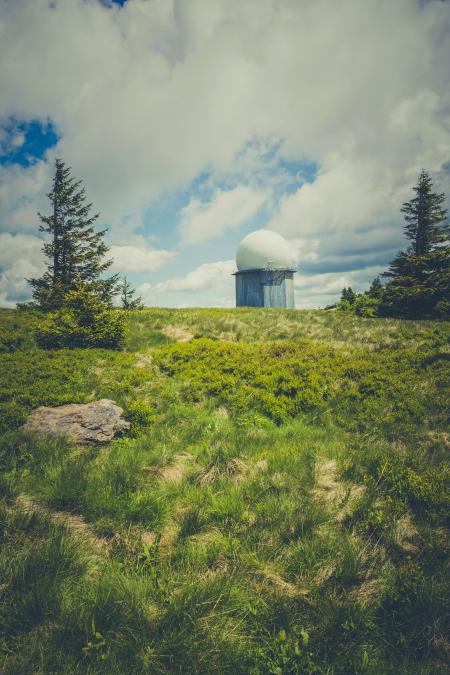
419, 287
349, 295
376, 289
84, 321
75, 250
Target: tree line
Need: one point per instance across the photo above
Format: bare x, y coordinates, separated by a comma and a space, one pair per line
417, 282
78, 295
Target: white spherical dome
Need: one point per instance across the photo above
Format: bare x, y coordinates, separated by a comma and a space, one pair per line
262, 249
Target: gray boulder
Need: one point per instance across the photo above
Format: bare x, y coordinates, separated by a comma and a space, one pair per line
96, 422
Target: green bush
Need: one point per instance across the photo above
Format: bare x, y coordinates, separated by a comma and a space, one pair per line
363, 305
84, 321
366, 306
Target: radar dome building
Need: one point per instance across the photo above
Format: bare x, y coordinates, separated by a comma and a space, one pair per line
265, 276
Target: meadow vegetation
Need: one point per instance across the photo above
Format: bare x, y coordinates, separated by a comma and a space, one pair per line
279, 505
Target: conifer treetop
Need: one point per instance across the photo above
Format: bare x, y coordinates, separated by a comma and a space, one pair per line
425, 217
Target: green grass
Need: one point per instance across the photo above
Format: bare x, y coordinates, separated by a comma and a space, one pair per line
279, 505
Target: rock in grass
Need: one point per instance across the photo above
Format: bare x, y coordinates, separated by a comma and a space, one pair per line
96, 422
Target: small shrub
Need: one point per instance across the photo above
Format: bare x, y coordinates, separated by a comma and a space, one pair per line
366, 306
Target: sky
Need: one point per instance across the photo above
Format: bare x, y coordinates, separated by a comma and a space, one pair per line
193, 122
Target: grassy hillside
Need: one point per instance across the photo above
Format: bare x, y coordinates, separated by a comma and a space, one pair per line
278, 507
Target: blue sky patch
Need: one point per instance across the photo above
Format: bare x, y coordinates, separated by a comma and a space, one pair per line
25, 143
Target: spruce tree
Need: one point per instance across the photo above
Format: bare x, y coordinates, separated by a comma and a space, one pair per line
127, 296
76, 251
419, 285
425, 228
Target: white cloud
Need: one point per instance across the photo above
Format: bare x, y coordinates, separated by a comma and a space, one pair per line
22, 195
201, 278
10, 140
210, 283
226, 210
148, 96
319, 290
21, 258
4, 302
134, 259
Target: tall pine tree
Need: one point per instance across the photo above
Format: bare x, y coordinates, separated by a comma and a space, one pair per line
75, 250
425, 228
419, 285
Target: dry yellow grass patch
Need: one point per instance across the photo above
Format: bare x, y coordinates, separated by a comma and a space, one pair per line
328, 487
167, 539
221, 411
367, 591
175, 472
406, 535
149, 538
282, 586
177, 333
246, 470
230, 470
335, 493
143, 360
75, 523
205, 538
